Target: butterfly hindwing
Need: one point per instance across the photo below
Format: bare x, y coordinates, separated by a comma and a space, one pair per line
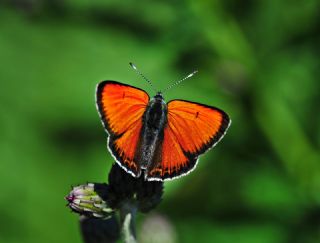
121, 108
191, 130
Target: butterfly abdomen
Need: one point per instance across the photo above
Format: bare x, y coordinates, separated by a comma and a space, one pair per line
154, 121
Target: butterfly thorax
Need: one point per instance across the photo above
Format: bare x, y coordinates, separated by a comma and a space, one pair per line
154, 122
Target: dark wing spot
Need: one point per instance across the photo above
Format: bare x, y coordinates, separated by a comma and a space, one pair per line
197, 114
124, 93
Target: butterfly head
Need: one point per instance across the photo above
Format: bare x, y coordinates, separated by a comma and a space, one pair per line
158, 103
158, 98
158, 95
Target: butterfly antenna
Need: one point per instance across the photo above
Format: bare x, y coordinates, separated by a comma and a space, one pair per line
144, 77
179, 81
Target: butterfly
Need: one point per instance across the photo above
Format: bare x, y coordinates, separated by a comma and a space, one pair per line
148, 136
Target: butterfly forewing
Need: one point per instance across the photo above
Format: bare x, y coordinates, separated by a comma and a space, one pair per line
191, 129
121, 108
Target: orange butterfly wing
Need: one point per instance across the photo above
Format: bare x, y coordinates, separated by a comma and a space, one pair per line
191, 130
121, 108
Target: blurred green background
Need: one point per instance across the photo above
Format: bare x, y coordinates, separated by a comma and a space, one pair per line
257, 60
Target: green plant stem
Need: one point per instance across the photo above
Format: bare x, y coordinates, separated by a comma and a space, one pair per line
127, 219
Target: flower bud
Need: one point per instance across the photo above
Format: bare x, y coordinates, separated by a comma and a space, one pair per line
84, 200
